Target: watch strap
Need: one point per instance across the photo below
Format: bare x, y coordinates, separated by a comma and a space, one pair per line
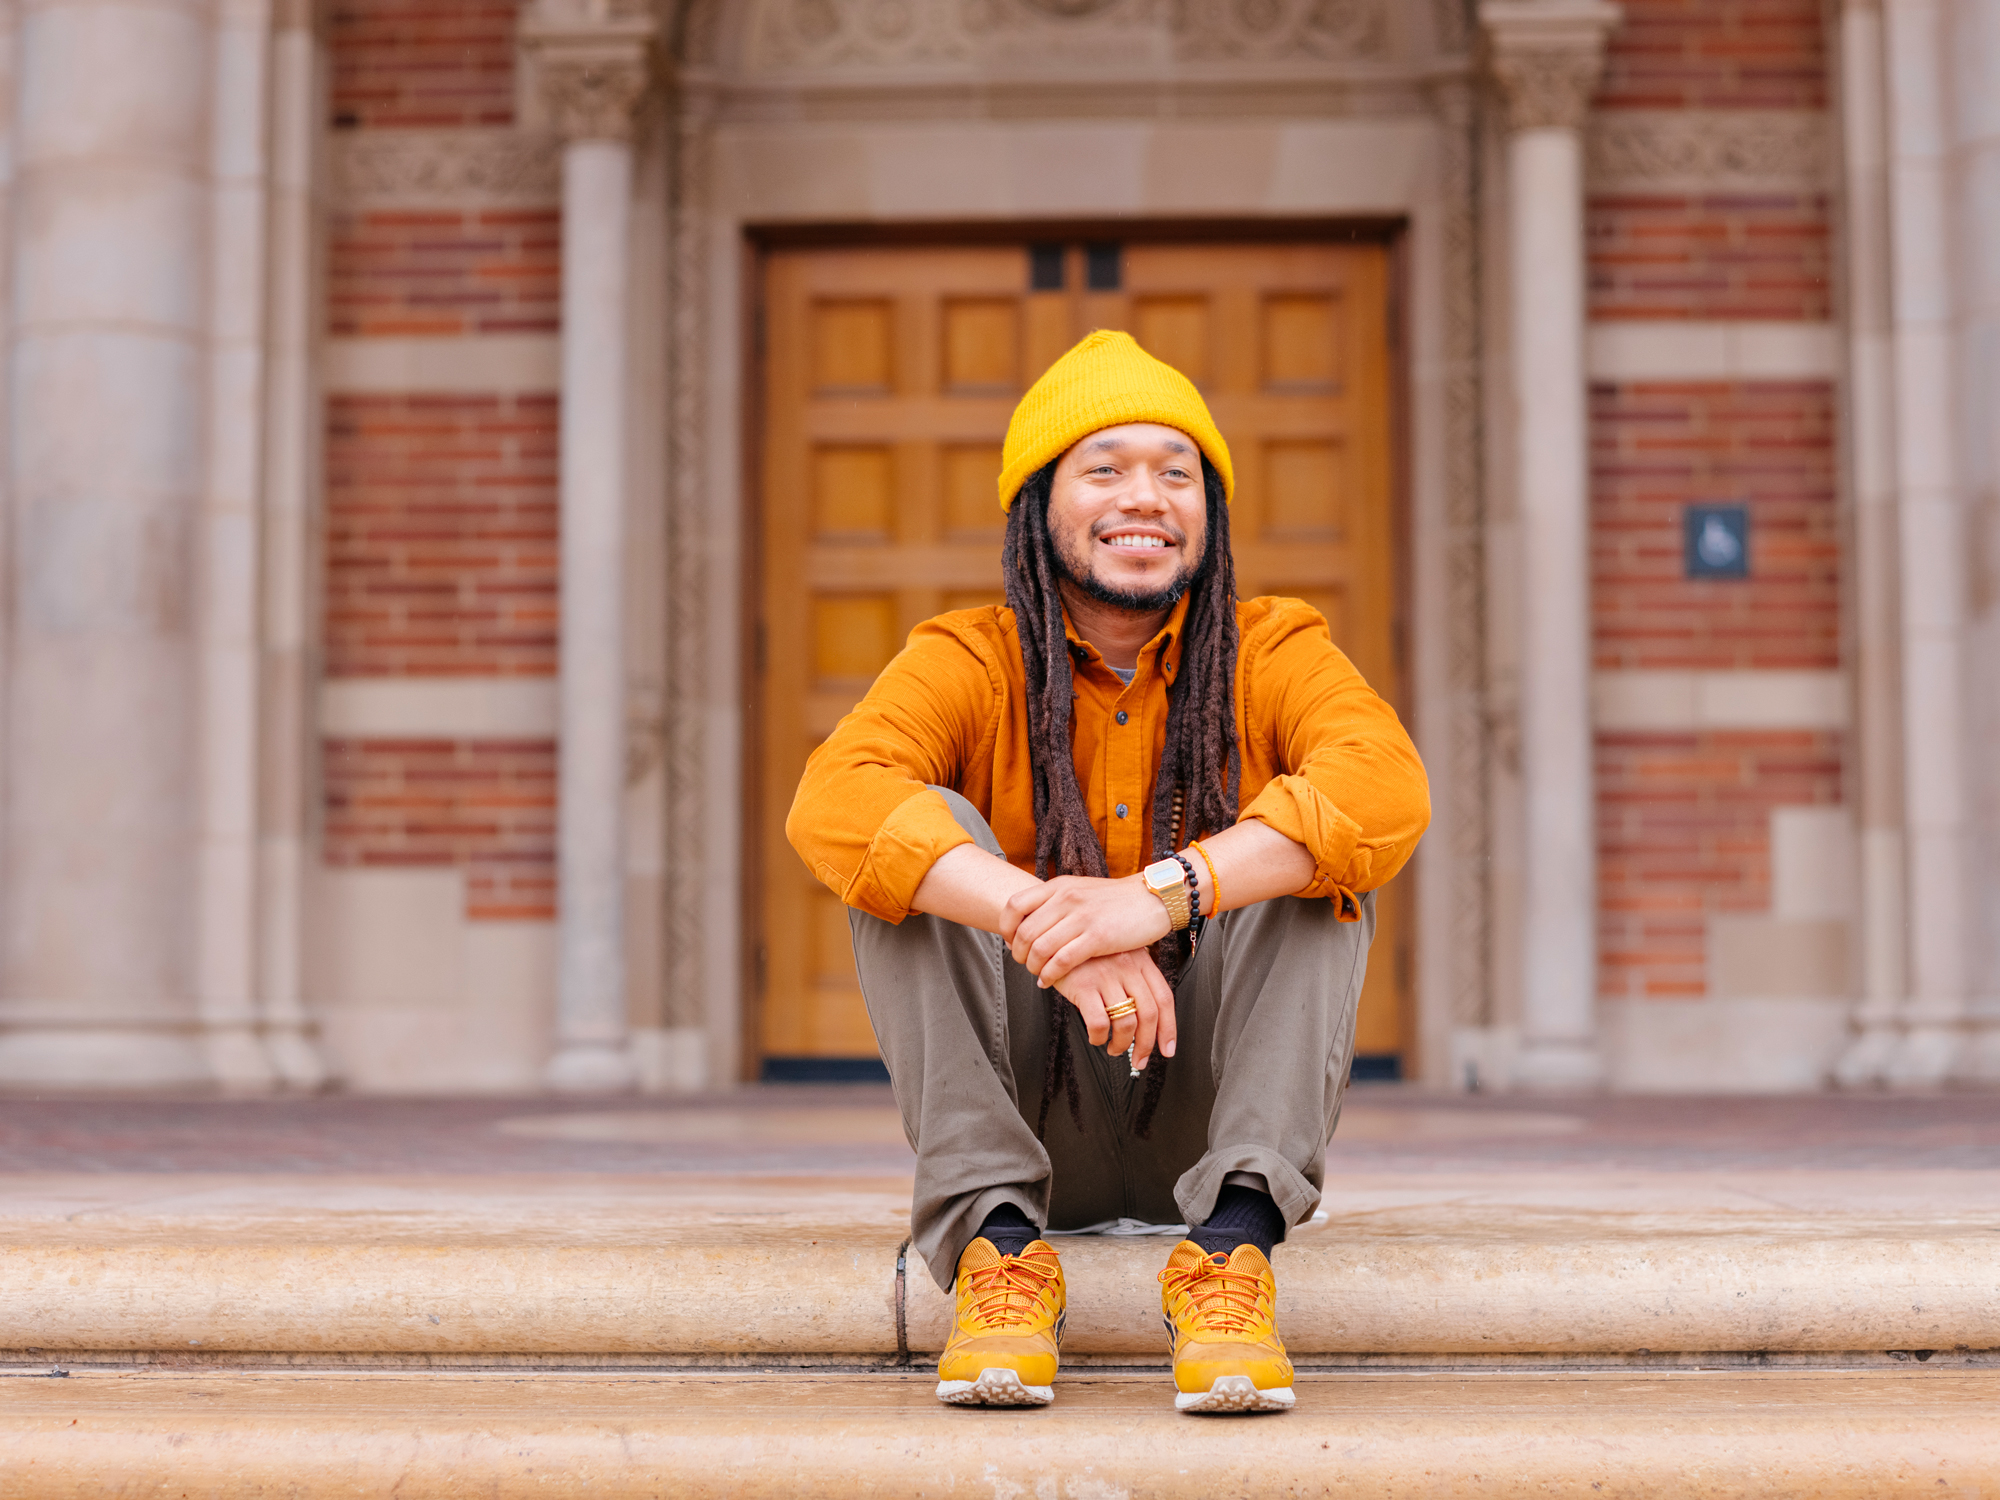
1193, 884
1177, 900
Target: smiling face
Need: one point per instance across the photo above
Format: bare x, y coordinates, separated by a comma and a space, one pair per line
1129, 515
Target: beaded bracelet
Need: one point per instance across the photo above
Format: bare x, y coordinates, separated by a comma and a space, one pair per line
1214, 880
1196, 921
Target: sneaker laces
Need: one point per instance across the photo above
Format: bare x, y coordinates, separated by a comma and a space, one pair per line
994, 1290
1224, 1299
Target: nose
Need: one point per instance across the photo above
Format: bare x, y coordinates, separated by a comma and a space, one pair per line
1143, 494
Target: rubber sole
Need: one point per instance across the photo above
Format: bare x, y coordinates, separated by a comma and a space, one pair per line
1234, 1393
998, 1386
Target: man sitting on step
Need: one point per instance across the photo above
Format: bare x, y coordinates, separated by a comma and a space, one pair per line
1131, 805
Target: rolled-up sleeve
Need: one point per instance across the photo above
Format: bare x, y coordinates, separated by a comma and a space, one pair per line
1351, 788
865, 819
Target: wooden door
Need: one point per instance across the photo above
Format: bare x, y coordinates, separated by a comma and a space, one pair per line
889, 375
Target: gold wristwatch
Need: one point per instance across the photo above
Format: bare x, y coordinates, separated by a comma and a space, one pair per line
1166, 879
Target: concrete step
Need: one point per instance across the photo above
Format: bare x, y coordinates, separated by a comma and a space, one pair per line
1829, 1433
715, 1269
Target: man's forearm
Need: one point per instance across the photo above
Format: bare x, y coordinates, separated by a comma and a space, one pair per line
970, 887
1253, 862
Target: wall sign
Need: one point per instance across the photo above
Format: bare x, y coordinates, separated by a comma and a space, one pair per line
1717, 541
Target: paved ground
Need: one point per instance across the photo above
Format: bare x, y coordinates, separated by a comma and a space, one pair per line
854, 1131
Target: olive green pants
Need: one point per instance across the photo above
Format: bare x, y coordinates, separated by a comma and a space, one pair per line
1266, 1033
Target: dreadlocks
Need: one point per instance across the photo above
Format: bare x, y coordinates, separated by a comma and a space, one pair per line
1200, 775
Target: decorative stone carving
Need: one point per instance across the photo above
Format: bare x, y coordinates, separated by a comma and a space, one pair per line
593, 98
690, 620
1546, 88
1219, 29
1129, 35
594, 62
1451, 25
395, 168
1465, 785
1710, 150
1547, 56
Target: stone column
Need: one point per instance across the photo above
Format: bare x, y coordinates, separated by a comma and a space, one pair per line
227, 550
1546, 56
294, 418
1932, 538
1871, 481
593, 76
1975, 55
106, 370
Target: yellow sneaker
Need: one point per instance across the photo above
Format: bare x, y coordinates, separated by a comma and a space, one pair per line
1008, 1328
1221, 1315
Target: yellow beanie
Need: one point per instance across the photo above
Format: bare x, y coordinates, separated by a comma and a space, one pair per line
1105, 381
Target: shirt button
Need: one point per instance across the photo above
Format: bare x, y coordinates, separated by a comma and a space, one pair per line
1121, 716
1121, 809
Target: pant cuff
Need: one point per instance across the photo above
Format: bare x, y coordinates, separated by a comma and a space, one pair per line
1201, 1184
941, 1246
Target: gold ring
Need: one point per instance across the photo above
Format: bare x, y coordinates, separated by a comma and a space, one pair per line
1125, 1007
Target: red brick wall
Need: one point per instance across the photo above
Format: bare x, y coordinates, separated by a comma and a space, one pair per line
1717, 54
441, 509
1710, 257
441, 536
422, 63
1684, 831
411, 273
1684, 819
485, 806
1656, 447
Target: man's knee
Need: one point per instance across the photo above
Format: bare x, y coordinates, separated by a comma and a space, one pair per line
1299, 944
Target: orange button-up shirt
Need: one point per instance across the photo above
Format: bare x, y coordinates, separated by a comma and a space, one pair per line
1325, 761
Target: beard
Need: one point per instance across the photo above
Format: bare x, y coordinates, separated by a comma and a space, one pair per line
1076, 571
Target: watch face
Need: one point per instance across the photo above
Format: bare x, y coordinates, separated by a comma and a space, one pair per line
1164, 875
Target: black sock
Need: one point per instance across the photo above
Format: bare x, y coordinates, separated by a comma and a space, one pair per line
1010, 1230
1243, 1216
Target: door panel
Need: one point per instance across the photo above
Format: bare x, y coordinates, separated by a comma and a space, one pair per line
889, 378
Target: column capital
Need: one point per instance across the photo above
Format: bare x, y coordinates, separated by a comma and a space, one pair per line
1546, 55
594, 63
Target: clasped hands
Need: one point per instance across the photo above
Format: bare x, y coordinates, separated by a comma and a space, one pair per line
1087, 938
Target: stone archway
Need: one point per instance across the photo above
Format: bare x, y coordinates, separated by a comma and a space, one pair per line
838, 79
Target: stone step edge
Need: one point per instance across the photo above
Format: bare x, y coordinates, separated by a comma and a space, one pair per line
43, 1364
1825, 1436
1424, 1295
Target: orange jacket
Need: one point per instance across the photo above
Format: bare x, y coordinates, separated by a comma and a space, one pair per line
1325, 761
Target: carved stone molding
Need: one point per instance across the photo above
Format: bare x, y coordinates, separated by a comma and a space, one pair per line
1688, 150
593, 64
1547, 56
691, 621
1546, 88
417, 168
1451, 24
1126, 36
593, 98
1463, 747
